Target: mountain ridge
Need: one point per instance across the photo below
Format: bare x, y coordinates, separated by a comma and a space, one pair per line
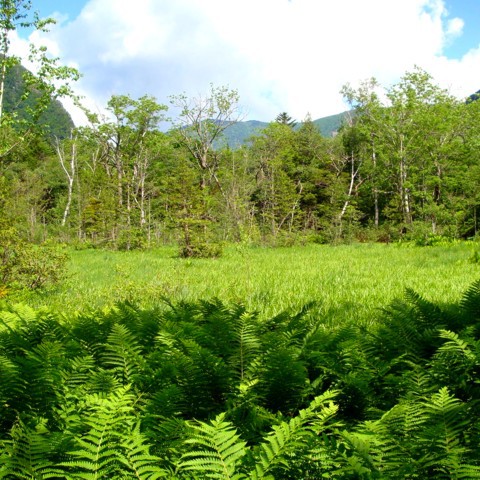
239, 133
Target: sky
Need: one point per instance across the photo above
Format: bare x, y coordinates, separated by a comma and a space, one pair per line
280, 55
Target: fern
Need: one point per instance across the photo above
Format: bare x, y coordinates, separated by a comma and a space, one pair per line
12, 387
289, 436
218, 450
123, 354
247, 343
138, 462
283, 380
470, 305
29, 452
78, 373
456, 346
448, 423
96, 454
42, 371
410, 327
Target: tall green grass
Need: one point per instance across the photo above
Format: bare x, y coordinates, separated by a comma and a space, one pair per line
346, 281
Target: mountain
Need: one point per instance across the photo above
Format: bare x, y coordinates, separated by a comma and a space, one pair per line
238, 134
474, 97
330, 125
55, 118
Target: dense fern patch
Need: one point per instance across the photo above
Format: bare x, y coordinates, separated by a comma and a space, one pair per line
208, 390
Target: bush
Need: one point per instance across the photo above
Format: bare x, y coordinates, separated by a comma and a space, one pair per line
201, 250
132, 239
24, 265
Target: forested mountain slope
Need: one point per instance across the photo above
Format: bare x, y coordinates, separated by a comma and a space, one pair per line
239, 133
55, 118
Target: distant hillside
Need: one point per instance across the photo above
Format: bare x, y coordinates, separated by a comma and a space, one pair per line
239, 133
328, 126
56, 119
474, 97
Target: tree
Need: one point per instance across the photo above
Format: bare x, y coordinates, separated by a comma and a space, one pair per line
51, 81
201, 122
277, 196
362, 132
407, 147
128, 147
69, 167
285, 119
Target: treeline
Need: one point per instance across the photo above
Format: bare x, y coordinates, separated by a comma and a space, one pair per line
405, 165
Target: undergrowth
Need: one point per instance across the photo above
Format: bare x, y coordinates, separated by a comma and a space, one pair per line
205, 389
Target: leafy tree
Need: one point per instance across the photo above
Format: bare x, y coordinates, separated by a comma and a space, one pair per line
277, 195
51, 81
129, 146
201, 121
411, 143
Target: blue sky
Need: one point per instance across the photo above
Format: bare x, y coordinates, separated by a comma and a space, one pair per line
68, 7
469, 12
166, 47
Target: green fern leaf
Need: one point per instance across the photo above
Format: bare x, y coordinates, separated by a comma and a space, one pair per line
96, 453
289, 436
123, 353
456, 345
27, 455
218, 450
138, 461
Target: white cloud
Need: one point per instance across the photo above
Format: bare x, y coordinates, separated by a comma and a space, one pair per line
455, 27
281, 55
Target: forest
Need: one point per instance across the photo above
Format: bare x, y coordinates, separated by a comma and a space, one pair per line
403, 166
300, 306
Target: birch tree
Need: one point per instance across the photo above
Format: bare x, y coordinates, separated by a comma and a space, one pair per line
69, 164
201, 122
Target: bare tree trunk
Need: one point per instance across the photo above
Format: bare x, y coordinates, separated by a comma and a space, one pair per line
404, 190
375, 188
3, 74
353, 176
70, 173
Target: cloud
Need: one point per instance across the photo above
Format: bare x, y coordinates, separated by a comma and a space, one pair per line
455, 27
280, 55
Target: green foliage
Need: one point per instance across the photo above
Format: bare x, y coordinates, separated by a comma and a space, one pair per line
29, 266
216, 450
54, 119
208, 390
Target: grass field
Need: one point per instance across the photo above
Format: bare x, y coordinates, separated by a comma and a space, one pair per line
346, 281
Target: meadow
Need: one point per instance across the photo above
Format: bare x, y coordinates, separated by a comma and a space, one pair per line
351, 281
359, 386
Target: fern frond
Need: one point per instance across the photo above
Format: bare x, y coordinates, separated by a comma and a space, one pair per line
102, 381
218, 450
29, 453
42, 369
78, 372
448, 422
470, 304
11, 383
455, 345
96, 453
429, 314
288, 436
123, 354
139, 462
247, 343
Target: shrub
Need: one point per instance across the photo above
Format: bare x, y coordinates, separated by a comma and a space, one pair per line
132, 239
201, 250
24, 265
